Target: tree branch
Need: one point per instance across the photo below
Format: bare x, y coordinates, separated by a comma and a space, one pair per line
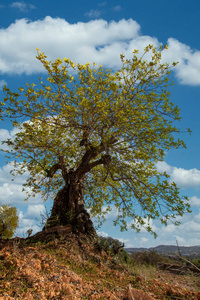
85, 168
53, 170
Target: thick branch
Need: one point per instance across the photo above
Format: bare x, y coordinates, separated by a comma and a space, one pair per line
104, 160
86, 167
90, 154
58, 166
53, 170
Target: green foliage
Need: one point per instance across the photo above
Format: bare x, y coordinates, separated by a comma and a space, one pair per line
8, 220
125, 117
147, 258
196, 262
108, 244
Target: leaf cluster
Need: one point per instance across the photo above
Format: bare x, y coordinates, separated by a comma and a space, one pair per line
126, 115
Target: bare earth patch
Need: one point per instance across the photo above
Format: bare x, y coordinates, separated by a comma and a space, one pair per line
72, 268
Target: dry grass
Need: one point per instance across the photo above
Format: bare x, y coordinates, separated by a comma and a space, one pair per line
75, 269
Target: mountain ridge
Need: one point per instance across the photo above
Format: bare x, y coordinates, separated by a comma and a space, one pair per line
167, 249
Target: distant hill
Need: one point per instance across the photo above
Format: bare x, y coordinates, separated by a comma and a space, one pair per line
168, 249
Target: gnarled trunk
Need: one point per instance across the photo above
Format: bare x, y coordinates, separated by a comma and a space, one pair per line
68, 208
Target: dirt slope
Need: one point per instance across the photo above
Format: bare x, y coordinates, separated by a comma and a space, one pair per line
74, 268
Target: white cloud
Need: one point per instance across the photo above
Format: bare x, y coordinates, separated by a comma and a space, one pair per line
188, 69
102, 233
2, 83
96, 40
162, 166
191, 226
186, 178
35, 211
6, 177
26, 224
123, 241
113, 213
11, 192
93, 14
150, 223
102, 3
187, 234
117, 8
144, 239
23, 7
181, 240
6, 134
197, 217
183, 178
194, 201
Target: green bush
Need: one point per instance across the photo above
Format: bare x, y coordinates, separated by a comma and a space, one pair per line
108, 244
147, 258
8, 221
196, 262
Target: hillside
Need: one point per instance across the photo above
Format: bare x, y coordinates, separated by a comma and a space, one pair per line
169, 249
54, 266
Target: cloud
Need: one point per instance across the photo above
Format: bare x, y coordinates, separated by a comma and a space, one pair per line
23, 7
186, 178
194, 201
187, 234
123, 241
96, 40
6, 177
26, 224
102, 233
183, 178
102, 3
2, 83
188, 69
162, 166
6, 134
35, 211
93, 14
11, 192
144, 239
187, 231
150, 223
117, 8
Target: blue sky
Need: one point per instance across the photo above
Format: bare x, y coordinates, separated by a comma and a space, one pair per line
100, 31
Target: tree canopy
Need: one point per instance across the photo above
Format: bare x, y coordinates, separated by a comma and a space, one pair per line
123, 121
8, 220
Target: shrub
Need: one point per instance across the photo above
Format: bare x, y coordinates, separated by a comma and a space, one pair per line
8, 220
147, 258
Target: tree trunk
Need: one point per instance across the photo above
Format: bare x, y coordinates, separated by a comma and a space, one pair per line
68, 208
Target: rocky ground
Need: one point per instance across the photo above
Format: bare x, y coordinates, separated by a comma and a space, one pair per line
72, 267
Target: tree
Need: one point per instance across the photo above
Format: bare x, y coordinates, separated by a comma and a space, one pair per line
94, 140
8, 221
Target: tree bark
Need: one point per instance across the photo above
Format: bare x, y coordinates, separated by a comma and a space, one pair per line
68, 208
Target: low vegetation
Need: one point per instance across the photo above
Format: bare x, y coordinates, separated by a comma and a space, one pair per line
72, 267
8, 220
